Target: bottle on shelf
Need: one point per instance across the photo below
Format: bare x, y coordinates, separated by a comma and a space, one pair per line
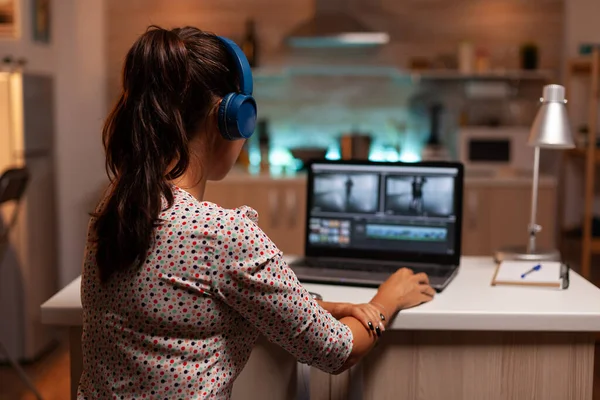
466, 57
244, 158
529, 56
250, 45
263, 144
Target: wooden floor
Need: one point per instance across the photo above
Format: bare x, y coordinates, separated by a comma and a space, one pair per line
50, 374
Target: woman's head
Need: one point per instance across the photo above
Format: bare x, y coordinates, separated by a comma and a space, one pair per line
173, 81
163, 125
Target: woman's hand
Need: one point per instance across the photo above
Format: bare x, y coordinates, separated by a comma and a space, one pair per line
369, 315
404, 289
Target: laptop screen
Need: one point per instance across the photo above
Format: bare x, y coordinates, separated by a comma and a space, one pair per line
395, 211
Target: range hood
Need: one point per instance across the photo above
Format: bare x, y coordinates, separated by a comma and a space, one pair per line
333, 26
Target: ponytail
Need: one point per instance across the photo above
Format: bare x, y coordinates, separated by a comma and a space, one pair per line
144, 136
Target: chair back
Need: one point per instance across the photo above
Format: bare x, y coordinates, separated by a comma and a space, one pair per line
13, 183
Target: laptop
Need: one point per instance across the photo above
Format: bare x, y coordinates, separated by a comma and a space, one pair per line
365, 220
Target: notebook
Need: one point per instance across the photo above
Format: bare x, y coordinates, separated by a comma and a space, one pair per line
527, 273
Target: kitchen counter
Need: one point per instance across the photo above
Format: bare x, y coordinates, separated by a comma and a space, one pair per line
501, 308
475, 177
525, 336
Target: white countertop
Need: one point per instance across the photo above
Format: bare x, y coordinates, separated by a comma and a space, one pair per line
468, 303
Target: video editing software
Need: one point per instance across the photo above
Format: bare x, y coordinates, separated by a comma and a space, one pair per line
376, 207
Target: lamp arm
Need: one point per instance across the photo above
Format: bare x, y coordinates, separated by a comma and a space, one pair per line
534, 228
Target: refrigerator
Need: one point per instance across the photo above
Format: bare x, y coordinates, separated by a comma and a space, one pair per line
28, 270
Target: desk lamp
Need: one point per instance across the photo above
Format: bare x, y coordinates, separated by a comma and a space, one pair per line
550, 130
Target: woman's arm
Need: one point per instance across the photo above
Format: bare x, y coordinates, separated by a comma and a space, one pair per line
284, 311
248, 273
403, 289
364, 339
268, 295
367, 313
357, 318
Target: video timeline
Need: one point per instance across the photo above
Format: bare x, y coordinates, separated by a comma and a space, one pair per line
360, 234
395, 232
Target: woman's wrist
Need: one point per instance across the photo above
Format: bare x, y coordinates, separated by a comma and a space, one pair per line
385, 305
381, 309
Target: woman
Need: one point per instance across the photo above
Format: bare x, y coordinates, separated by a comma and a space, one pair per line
175, 289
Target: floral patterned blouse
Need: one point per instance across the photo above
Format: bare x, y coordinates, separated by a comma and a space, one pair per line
183, 325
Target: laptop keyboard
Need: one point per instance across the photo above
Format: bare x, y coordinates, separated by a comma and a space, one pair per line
341, 265
370, 266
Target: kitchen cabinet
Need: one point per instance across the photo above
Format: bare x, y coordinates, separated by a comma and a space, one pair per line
224, 194
510, 214
495, 211
269, 362
496, 217
476, 221
280, 204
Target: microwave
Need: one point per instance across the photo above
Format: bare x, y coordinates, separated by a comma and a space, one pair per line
495, 149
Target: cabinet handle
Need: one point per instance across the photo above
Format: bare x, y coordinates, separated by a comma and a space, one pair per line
473, 207
292, 207
274, 207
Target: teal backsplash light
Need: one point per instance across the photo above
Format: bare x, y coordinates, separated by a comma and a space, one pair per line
314, 106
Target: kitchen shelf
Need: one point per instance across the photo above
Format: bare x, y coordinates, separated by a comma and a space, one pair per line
329, 71
594, 242
588, 66
595, 246
575, 232
493, 75
581, 65
396, 74
582, 153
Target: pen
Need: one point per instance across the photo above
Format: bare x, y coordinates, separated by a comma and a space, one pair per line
536, 268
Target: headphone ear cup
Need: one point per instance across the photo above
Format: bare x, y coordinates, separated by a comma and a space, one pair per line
222, 116
237, 116
246, 113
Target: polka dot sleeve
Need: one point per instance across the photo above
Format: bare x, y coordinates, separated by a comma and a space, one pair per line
252, 278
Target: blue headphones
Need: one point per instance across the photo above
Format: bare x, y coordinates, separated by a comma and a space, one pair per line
237, 111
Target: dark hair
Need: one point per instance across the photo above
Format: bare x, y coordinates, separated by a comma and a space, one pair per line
172, 80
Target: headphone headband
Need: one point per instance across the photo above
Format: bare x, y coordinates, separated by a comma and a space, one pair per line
244, 70
237, 111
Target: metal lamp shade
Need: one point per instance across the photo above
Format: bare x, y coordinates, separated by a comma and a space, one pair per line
551, 127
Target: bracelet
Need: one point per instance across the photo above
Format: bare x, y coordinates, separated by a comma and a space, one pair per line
382, 307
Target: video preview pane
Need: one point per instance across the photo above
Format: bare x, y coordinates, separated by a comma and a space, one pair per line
420, 195
352, 193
